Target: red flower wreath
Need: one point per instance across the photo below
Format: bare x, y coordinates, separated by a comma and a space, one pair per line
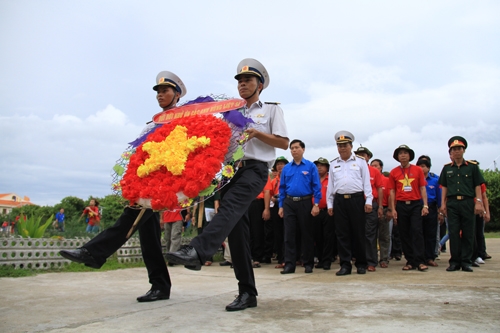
202, 163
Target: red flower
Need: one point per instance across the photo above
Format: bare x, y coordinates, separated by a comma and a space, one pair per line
202, 164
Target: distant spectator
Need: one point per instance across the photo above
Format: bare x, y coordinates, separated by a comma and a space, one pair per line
92, 212
60, 220
5, 228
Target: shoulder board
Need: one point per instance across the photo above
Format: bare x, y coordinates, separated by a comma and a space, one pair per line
334, 159
449, 163
360, 156
471, 161
274, 103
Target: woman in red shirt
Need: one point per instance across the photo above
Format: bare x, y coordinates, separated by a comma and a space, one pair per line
92, 211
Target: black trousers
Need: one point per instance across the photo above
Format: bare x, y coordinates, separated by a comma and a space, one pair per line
268, 239
371, 235
232, 221
257, 229
430, 227
410, 228
396, 248
296, 216
325, 238
279, 234
461, 227
350, 226
107, 242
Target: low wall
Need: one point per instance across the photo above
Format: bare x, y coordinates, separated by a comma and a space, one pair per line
43, 253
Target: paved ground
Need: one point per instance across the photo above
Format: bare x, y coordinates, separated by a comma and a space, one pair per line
388, 300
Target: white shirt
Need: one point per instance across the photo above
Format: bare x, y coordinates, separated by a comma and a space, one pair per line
348, 177
268, 118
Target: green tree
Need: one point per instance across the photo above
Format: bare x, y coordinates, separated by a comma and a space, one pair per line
32, 210
73, 207
111, 208
492, 178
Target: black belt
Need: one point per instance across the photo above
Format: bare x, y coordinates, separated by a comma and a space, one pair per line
459, 197
250, 162
409, 202
299, 198
349, 196
432, 204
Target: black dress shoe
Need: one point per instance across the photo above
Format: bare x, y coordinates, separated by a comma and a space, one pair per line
308, 269
225, 263
81, 255
153, 295
288, 269
186, 256
242, 302
361, 270
452, 268
326, 267
466, 268
343, 271
475, 264
266, 261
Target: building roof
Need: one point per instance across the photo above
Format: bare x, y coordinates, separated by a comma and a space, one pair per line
12, 200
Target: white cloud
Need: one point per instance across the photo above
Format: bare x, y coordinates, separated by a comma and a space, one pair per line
45, 158
382, 119
392, 72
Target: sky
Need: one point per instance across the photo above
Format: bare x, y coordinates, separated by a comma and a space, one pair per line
76, 78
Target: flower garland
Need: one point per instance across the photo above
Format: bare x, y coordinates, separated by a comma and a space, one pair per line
177, 162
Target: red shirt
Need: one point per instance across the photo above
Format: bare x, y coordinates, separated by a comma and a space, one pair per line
483, 189
171, 216
387, 191
375, 181
268, 187
407, 182
275, 186
324, 186
93, 213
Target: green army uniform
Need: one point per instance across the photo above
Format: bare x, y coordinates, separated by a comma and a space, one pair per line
461, 182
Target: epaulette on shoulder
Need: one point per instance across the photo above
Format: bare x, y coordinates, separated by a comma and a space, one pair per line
472, 161
273, 103
449, 163
334, 159
359, 156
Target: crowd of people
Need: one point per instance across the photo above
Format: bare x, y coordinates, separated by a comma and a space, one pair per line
323, 209
349, 209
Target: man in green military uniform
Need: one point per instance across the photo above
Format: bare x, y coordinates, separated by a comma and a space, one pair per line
461, 181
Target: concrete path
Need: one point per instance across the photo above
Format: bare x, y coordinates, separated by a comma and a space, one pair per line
388, 300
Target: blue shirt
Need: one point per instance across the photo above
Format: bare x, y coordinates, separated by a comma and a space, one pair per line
433, 189
60, 217
300, 180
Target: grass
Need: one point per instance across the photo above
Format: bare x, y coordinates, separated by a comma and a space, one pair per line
492, 234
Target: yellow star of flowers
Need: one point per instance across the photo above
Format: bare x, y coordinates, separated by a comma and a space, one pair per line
172, 153
406, 182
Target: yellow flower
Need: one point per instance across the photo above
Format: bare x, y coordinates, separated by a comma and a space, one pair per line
228, 171
172, 153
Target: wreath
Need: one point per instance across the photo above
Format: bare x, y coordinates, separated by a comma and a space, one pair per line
174, 164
